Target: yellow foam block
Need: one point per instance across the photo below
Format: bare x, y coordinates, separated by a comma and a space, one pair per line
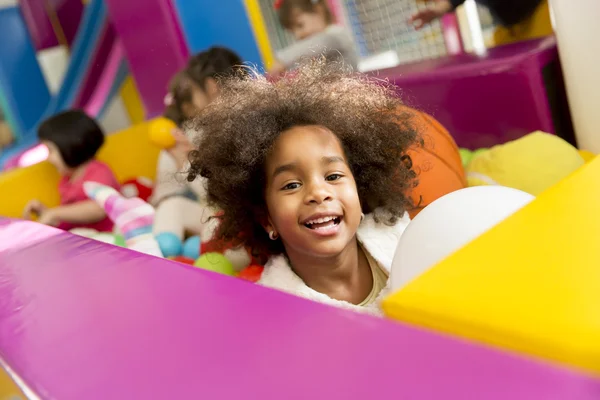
129, 153
531, 284
8, 388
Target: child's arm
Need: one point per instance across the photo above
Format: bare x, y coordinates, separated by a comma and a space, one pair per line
80, 213
334, 38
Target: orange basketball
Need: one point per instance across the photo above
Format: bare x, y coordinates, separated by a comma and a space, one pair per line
437, 163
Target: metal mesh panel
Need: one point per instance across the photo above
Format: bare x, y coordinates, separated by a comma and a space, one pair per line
382, 25
278, 36
377, 26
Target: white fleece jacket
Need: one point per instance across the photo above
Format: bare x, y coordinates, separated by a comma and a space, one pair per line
379, 239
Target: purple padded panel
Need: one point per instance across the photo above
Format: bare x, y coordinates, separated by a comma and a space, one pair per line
151, 36
483, 100
83, 320
68, 12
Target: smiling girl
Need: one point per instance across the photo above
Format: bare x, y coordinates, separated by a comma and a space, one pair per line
312, 173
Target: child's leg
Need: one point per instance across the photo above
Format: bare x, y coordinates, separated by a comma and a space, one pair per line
180, 215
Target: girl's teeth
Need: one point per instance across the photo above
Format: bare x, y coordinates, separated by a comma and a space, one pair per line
321, 220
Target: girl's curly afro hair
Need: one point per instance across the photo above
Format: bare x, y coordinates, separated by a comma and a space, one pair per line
237, 131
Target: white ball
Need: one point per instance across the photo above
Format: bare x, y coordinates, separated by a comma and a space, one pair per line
129, 190
449, 223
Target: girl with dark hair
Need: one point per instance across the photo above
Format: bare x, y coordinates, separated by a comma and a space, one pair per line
311, 173
178, 203
73, 139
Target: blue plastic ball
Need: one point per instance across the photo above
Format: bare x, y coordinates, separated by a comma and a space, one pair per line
191, 247
170, 245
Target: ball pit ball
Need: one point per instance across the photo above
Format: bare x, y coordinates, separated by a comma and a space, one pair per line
183, 260
191, 247
465, 155
251, 273
215, 262
170, 245
138, 187
160, 132
119, 240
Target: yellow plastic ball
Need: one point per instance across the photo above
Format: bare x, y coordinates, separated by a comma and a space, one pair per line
161, 133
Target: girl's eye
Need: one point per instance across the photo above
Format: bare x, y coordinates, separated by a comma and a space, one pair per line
291, 186
333, 177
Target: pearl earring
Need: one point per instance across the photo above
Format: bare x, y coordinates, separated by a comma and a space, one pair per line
273, 235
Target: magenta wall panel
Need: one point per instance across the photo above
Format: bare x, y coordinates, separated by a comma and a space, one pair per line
154, 45
490, 99
85, 320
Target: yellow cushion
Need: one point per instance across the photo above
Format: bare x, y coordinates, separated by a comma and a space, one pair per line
530, 284
587, 155
532, 163
129, 153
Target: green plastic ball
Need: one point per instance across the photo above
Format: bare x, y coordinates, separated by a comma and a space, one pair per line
465, 155
215, 262
119, 240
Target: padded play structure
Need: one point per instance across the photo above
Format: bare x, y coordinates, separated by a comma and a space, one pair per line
95, 74
83, 319
489, 99
40, 181
511, 315
148, 40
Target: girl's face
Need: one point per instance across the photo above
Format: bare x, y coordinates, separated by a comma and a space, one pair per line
306, 24
311, 194
55, 158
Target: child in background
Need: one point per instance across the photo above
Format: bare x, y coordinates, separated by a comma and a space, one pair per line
73, 139
178, 203
311, 23
312, 173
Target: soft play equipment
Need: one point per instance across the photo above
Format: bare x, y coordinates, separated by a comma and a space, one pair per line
20, 75
96, 71
155, 37
577, 31
437, 162
493, 98
85, 320
448, 224
129, 154
531, 284
52, 24
532, 163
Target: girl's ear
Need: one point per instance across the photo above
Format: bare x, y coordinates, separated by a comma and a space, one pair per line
211, 88
264, 219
